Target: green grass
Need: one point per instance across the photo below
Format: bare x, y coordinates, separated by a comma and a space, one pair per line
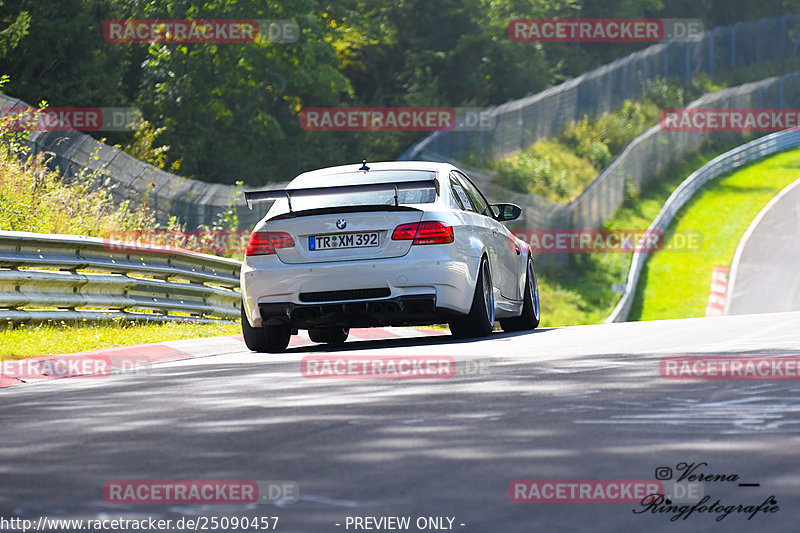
35, 199
548, 168
582, 293
677, 285
53, 339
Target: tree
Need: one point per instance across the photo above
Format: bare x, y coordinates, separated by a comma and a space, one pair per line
231, 111
62, 57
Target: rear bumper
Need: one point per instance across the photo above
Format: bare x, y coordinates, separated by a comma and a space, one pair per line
403, 310
422, 287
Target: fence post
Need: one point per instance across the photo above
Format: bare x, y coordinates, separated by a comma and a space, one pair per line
557, 113
758, 40
625, 85
480, 136
687, 60
711, 52
733, 44
783, 36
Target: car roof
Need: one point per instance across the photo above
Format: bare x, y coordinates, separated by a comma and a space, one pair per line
320, 177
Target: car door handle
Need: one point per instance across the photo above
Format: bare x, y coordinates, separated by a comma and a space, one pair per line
495, 230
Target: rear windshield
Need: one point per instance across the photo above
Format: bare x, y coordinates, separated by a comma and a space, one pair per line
347, 199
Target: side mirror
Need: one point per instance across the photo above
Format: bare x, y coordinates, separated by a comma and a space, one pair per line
506, 212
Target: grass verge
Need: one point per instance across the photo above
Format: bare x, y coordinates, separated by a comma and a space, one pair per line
53, 339
677, 285
582, 294
34, 198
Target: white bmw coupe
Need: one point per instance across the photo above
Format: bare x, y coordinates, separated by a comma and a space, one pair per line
384, 244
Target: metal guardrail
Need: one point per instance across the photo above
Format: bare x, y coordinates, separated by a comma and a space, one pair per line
718, 166
70, 277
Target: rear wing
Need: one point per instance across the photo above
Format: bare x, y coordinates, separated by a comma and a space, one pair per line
276, 194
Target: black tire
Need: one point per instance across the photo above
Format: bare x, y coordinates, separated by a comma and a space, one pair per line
531, 311
329, 335
266, 339
480, 320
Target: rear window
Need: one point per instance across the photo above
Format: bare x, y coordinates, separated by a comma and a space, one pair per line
347, 199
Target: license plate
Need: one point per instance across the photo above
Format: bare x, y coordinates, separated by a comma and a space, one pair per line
343, 240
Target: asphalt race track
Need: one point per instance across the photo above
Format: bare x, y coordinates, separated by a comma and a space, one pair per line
568, 403
768, 273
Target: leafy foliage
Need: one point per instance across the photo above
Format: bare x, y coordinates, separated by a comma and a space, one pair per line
143, 145
35, 198
230, 112
560, 169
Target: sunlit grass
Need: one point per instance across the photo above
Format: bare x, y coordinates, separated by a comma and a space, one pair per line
583, 294
62, 338
677, 285
34, 198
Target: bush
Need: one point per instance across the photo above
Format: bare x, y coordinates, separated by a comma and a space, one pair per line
561, 168
599, 154
665, 94
580, 135
35, 198
547, 168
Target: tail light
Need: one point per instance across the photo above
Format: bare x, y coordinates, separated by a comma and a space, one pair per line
424, 233
265, 242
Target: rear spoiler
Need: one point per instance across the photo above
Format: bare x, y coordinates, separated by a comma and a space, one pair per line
276, 194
